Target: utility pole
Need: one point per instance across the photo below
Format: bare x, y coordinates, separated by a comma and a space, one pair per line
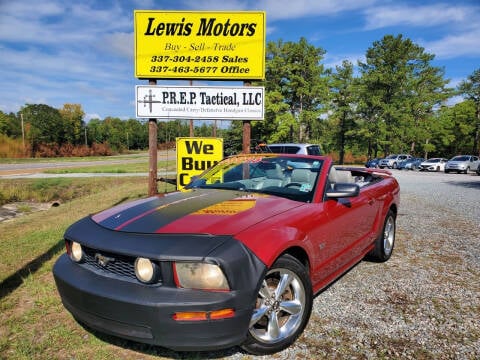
152, 151
191, 121
247, 129
23, 132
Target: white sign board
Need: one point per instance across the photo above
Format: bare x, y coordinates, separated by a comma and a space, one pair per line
200, 102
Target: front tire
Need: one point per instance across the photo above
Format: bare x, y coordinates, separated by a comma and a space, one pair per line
386, 240
283, 307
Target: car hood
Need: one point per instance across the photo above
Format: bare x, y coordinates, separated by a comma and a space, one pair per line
199, 211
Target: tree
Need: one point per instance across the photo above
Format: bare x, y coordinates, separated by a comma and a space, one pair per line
399, 90
295, 84
10, 125
72, 116
344, 101
43, 124
454, 128
470, 89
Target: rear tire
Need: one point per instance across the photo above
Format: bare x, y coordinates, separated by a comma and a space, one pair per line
283, 307
386, 240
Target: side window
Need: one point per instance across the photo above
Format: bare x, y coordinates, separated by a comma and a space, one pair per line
291, 149
276, 149
313, 150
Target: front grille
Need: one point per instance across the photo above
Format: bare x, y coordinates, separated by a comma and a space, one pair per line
110, 264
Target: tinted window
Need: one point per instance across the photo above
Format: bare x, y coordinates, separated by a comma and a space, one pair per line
313, 150
291, 149
276, 149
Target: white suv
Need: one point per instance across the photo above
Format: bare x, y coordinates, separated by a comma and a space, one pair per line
291, 148
392, 161
462, 163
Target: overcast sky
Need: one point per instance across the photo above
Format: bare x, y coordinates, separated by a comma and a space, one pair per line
55, 51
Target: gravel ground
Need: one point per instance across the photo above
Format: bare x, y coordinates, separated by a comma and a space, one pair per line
424, 303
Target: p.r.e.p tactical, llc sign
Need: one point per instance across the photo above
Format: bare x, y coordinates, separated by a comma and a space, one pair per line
200, 102
207, 45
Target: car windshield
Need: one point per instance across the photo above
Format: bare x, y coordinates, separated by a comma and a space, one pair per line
460, 158
291, 177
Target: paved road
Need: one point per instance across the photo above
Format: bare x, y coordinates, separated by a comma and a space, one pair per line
36, 168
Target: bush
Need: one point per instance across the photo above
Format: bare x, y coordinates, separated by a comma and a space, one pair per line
11, 148
69, 150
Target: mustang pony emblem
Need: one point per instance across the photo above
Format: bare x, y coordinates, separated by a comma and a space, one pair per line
103, 260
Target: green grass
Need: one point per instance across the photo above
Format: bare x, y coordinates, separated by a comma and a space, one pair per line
55, 189
133, 156
33, 322
136, 167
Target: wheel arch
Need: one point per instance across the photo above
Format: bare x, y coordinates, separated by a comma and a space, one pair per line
298, 253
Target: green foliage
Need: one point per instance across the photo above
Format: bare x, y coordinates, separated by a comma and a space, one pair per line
470, 89
296, 87
394, 103
399, 90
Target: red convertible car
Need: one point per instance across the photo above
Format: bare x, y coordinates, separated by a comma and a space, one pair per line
236, 259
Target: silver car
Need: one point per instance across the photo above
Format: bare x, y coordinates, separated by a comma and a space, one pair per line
392, 161
462, 163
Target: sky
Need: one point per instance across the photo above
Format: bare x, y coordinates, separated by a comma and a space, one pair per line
55, 52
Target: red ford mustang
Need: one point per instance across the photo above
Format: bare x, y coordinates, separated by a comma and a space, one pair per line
234, 260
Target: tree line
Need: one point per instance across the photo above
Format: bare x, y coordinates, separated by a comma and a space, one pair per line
395, 101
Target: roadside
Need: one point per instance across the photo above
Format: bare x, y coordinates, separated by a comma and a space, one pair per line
423, 303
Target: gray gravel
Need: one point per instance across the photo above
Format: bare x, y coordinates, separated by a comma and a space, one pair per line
424, 303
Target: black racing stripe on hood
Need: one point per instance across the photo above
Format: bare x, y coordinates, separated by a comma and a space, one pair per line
147, 218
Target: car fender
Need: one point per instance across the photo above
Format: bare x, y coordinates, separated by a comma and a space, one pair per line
269, 244
390, 200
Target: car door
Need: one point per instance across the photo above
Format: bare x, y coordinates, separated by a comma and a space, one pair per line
349, 229
475, 163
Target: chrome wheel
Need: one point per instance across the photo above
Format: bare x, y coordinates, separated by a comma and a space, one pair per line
383, 246
279, 308
388, 236
282, 307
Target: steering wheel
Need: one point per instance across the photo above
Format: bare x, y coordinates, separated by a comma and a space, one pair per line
294, 184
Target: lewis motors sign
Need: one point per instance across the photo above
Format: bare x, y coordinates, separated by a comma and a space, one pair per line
200, 102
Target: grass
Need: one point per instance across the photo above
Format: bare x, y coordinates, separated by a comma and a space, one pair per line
33, 322
135, 155
135, 167
55, 189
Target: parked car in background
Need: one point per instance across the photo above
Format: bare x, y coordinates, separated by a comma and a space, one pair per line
228, 262
478, 170
462, 163
410, 164
433, 164
372, 163
289, 148
392, 161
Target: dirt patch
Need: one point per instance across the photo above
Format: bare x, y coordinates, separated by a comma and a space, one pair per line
13, 210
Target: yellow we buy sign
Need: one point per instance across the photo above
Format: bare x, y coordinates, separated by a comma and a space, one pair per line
194, 155
208, 45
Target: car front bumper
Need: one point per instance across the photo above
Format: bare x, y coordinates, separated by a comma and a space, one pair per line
145, 313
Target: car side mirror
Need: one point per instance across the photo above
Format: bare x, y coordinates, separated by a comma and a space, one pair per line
343, 190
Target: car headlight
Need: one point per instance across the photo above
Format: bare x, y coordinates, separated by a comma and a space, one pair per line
200, 276
76, 251
145, 270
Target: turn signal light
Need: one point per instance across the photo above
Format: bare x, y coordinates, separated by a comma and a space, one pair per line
204, 315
